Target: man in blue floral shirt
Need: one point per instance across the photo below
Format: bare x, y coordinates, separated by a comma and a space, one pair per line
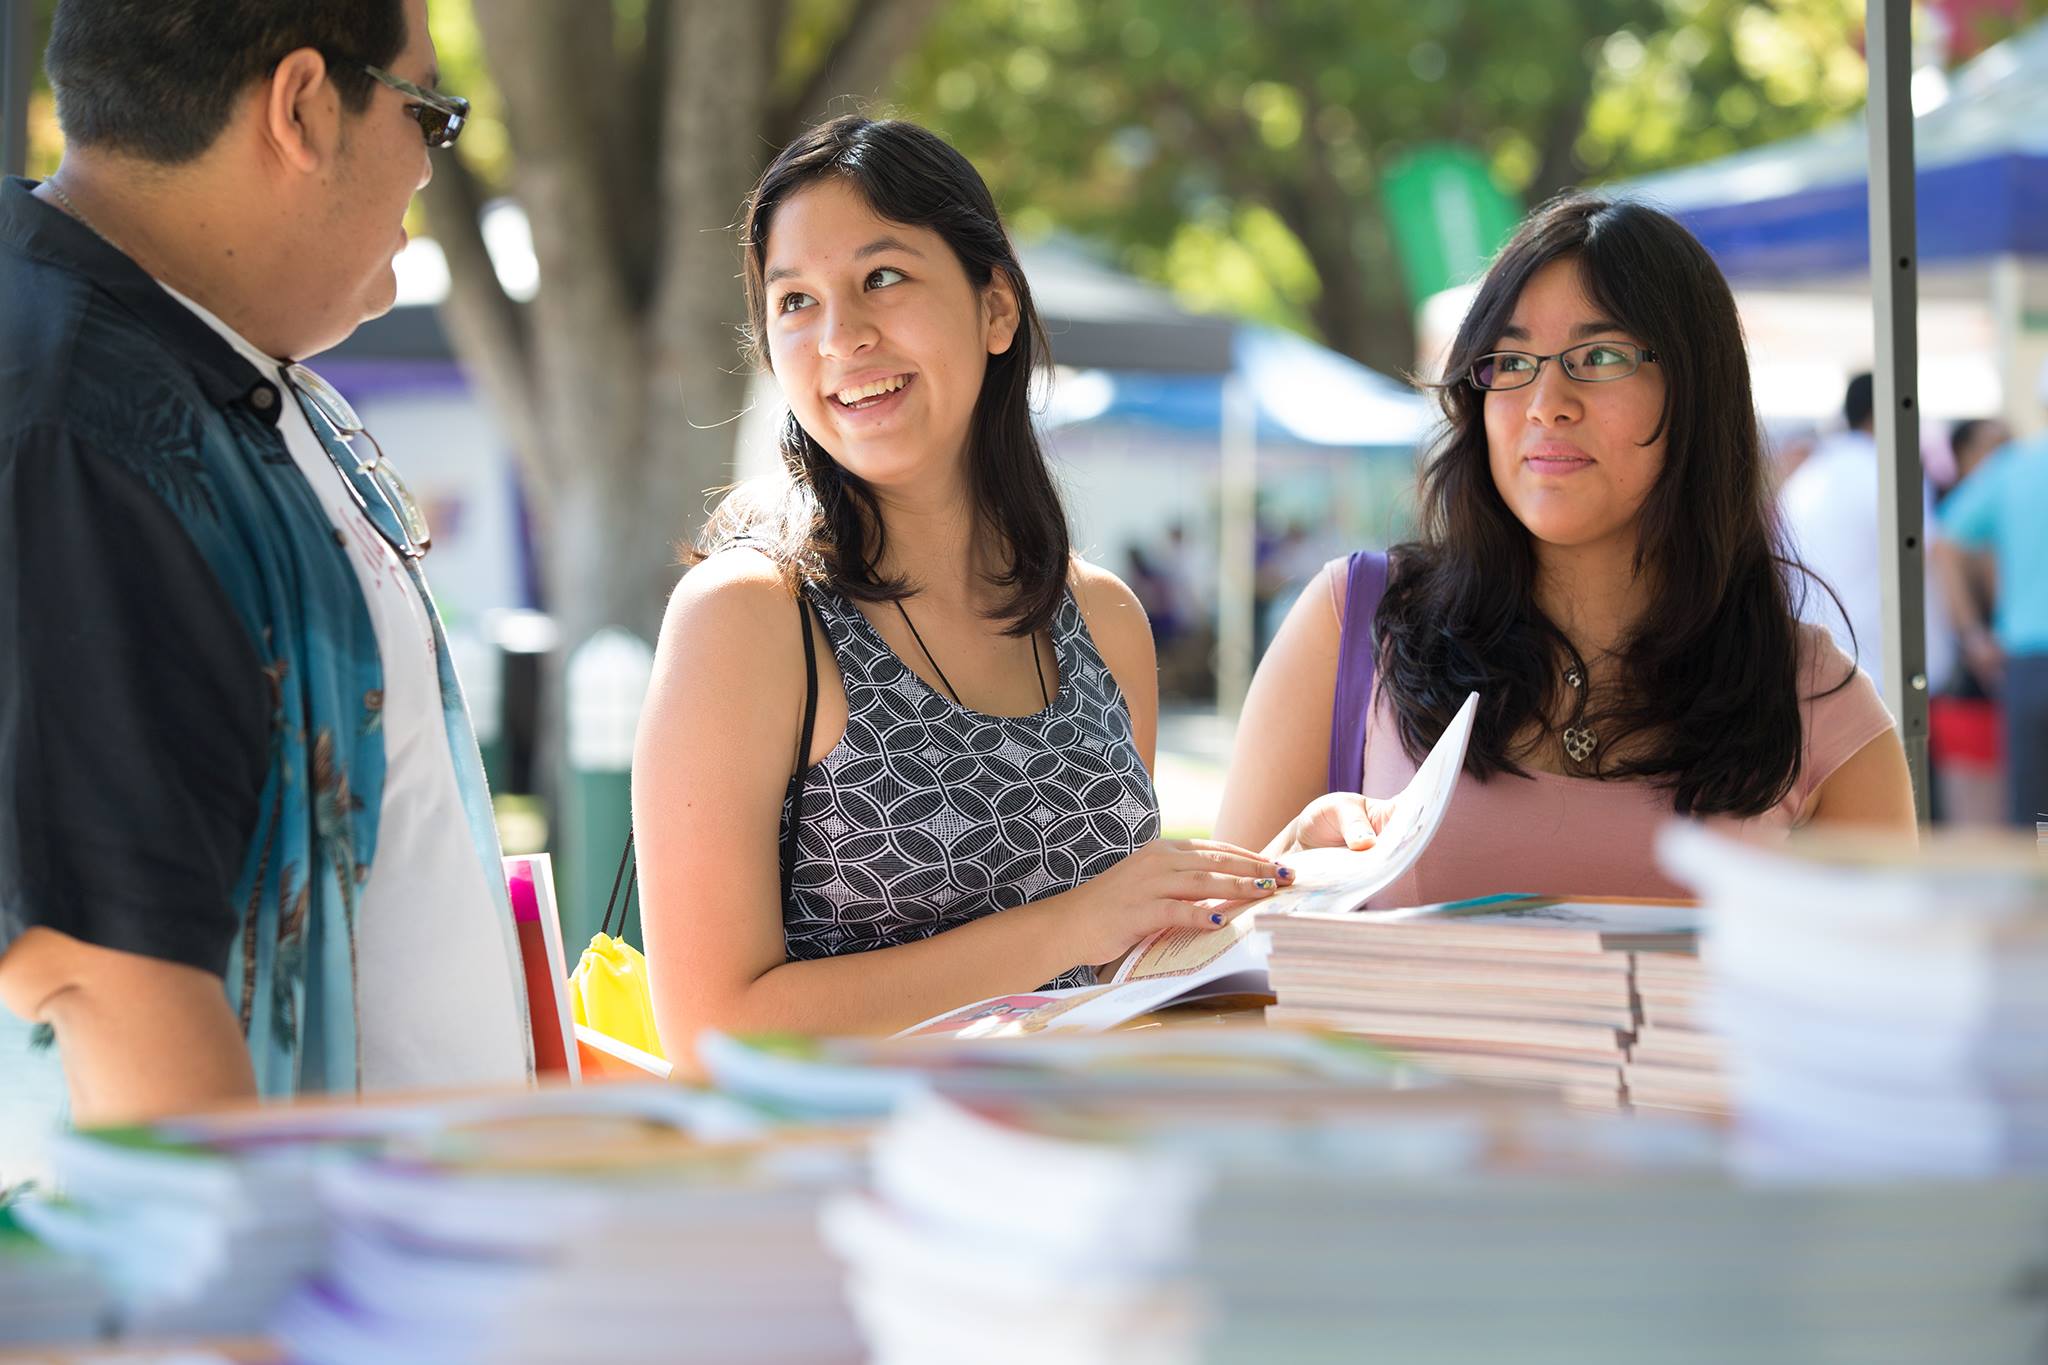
245, 845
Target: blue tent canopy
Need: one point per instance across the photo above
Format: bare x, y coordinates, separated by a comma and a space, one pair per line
1303, 395
1132, 354
1799, 209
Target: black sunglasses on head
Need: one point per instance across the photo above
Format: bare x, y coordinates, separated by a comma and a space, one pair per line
441, 117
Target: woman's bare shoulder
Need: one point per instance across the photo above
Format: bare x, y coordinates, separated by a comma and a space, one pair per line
737, 604
1096, 587
1115, 616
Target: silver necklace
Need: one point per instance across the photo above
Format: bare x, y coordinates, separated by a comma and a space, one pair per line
54, 188
57, 191
1579, 741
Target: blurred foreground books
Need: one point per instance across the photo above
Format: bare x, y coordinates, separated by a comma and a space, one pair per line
1877, 1022
1884, 1011
1172, 1196
1429, 1226
583, 1237
872, 1078
45, 1295
444, 1229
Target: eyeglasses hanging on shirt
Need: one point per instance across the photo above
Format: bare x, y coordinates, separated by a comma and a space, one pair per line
406, 526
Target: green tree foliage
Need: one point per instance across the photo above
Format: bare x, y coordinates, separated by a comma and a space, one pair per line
1710, 77
1234, 149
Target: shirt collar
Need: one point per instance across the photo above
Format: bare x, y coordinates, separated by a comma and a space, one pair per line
46, 233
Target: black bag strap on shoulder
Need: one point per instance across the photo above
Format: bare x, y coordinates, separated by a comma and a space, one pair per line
629, 871
803, 748
626, 865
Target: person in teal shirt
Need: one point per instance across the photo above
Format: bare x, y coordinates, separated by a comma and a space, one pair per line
245, 840
2002, 509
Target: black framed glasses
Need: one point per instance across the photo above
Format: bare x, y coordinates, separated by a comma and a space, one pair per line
441, 117
323, 400
1595, 362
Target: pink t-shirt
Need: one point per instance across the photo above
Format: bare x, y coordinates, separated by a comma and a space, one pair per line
1579, 836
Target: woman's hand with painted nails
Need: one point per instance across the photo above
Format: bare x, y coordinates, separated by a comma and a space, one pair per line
1167, 884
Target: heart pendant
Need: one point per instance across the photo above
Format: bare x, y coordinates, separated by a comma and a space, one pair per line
1578, 743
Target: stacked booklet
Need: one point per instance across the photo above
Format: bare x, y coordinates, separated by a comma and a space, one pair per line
853, 1078
419, 1228
1061, 1220
1676, 1059
594, 1236
1521, 990
191, 1231
1444, 1226
46, 1296
1883, 1009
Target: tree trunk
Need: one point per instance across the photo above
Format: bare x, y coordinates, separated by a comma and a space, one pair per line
621, 382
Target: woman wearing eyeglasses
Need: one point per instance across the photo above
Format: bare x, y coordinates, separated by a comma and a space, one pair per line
1599, 559
896, 755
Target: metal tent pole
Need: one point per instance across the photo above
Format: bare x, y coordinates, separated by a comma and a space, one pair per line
1894, 263
1237, 547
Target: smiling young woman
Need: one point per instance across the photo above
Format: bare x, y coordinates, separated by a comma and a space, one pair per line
897, 752
1599, 559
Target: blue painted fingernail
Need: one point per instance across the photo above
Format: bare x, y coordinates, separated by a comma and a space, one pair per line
1216, 918
1265, 883
1286, 873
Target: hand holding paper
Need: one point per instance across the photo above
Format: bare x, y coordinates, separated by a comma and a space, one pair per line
1181, 962
1336, 820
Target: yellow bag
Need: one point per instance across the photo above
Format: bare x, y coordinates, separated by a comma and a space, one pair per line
608, 992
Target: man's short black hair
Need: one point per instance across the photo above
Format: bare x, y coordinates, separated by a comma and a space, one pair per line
1859, 404
157, 79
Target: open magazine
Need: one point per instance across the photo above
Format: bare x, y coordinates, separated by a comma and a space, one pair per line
1178, 965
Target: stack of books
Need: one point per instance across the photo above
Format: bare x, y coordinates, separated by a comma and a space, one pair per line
586, 1237
871, 1078
45, 1296
190, 1230
1675, 1061
1591, 1267
1448, 1226
1519, 990
1883, 1009
318, 1219
1065, 1225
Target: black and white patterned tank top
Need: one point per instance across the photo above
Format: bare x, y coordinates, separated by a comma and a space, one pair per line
927, 815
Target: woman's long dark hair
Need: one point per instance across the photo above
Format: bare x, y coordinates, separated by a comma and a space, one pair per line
1707, 704
823, 521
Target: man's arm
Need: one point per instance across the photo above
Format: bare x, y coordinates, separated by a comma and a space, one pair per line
1968, 521
134, 724
1980, 647
140, 1037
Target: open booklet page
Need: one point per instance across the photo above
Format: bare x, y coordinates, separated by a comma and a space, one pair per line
1176, 965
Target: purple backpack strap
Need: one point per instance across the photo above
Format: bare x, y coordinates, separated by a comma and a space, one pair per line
1365, 580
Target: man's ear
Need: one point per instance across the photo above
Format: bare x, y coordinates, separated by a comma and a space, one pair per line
1000, 311
301, 111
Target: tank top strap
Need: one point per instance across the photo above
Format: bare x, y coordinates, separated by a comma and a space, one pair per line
856, 648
